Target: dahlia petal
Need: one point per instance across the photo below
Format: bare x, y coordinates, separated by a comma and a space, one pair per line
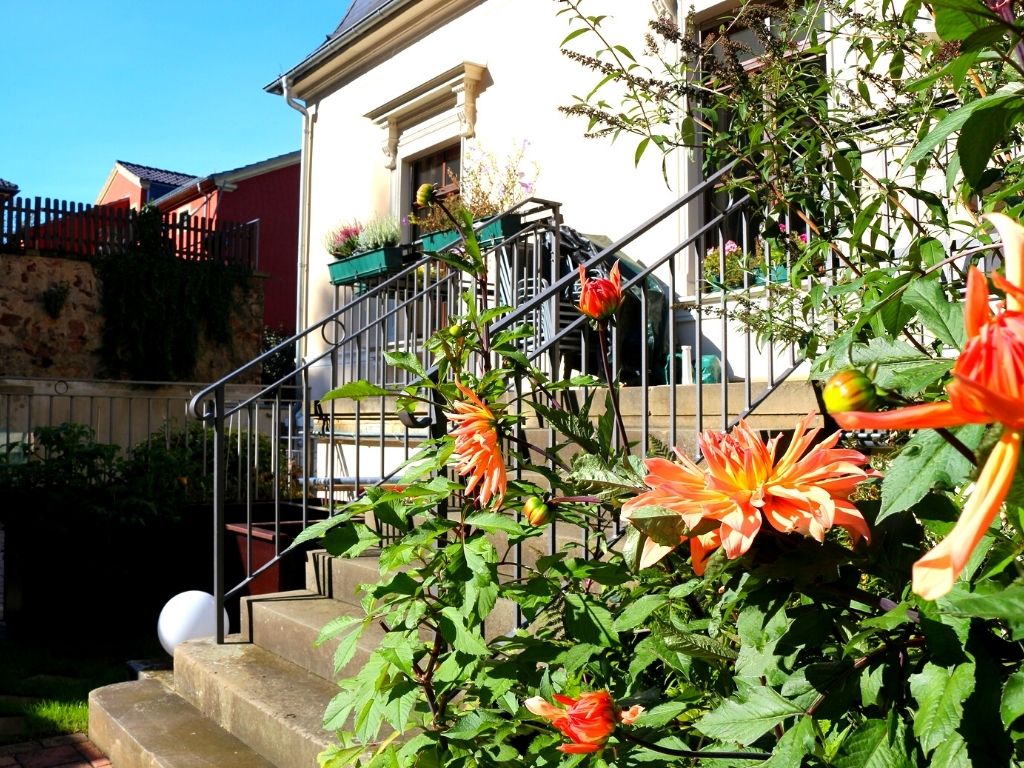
1012, 235
579, 749
912, 417
936, 572
629, 716
977, 312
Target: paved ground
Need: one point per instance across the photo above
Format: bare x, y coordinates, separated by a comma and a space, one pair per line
75, 751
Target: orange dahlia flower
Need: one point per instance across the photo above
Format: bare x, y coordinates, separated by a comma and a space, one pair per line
600, 297
987, 387
587, 721
805, 491
477, 453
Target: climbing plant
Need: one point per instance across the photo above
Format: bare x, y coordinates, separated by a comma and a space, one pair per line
157, 307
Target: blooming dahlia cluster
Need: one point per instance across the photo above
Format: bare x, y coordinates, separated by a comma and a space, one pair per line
587, 721
987, 388
477, 453
743, 484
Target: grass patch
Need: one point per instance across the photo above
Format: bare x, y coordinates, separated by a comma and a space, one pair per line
55, 717
55, 684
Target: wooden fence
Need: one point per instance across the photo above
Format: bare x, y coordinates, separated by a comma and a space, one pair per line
77, 230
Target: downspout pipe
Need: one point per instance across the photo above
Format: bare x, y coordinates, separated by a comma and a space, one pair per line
305, 174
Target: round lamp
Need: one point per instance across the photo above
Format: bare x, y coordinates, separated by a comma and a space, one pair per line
187, 616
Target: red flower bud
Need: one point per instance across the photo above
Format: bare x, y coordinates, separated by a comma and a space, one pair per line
600, 297
850, 390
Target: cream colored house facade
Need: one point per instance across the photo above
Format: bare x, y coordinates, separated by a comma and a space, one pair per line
402, 79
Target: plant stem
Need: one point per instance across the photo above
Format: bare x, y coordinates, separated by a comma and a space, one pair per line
602, 337
626, 736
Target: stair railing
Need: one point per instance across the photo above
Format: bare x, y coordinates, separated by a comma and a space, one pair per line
296, 457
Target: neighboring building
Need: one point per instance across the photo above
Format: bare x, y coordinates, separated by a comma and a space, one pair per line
139, 184
418, 78
267, 192
8, 189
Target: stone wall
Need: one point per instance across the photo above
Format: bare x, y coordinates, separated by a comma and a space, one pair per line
32, 343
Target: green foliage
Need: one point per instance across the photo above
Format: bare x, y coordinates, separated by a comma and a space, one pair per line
157, 307
379, 232
799, 652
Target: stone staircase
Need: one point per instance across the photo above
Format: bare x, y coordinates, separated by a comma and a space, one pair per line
257, 701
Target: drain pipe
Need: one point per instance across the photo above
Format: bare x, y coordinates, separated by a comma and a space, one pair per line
305, 174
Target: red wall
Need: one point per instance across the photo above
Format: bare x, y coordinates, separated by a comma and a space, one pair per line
121, 188
273, 198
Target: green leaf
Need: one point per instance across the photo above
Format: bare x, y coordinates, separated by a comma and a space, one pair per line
493, 522
926, 462
1007, 604
955, 121
875, 744
958, 19
1012, 705
698, 646
589, 622
797, 741
472, 725
659, 524
943, 318
637, 611
984, 129
952, 753
462, 638
746, 720
407, 361
663, 714
940, 693
355, 390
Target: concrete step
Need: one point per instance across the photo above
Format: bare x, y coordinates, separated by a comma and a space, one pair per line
339, 578
288, 624
272, 705
143, 724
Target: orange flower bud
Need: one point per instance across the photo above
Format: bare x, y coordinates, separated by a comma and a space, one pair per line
600, 297
850, 390
536, 512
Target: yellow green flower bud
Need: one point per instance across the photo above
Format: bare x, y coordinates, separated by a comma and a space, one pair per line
425, 195
536, 511
850, 390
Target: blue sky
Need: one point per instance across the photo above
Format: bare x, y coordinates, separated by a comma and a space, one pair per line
172, 85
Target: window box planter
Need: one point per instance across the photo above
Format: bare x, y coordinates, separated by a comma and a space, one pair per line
500, 229
779, 274
360, 266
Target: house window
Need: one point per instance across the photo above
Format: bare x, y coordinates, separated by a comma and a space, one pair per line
442, 168
745, 41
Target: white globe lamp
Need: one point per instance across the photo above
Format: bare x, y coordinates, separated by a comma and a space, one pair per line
187, 616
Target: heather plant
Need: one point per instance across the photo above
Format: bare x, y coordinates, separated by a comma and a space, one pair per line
379, 232
343, 240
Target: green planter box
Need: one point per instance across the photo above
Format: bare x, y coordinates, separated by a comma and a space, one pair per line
360, 266
498, 230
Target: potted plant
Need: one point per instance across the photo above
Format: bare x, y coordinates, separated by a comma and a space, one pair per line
485, 188
730, 272
372, 251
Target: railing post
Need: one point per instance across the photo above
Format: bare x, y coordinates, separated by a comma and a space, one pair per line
219, 471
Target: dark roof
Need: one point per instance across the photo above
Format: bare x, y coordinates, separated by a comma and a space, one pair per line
8, 187
358, 11
158, 175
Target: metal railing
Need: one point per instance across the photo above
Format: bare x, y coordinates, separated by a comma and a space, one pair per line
343, 446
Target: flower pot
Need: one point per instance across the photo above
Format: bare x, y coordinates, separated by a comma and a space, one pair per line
360, 266
496, 231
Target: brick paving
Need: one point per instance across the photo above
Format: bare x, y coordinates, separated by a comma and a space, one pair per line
75, 751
